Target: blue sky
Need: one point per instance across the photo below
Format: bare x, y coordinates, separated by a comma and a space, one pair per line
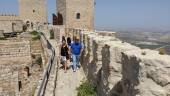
117, 13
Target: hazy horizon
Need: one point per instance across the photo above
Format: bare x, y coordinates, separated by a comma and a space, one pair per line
117, 14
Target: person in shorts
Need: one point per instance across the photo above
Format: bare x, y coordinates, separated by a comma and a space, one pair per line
64, 52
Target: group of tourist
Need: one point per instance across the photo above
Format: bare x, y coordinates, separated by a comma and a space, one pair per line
70, 52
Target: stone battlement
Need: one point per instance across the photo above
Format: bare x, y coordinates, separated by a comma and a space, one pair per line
8, 14
9, 17
118, 68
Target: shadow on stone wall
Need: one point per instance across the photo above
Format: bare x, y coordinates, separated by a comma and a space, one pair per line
103, 87
118, 69
130, 65
117, 90
89, 61
96, 62
85, 58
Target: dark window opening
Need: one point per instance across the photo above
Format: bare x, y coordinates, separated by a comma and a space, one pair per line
78, 16
33, 11
28, 23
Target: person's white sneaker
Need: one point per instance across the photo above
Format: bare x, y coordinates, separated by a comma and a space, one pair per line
77, 68
74, 70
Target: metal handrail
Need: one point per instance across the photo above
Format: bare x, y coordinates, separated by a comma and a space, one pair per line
41, 90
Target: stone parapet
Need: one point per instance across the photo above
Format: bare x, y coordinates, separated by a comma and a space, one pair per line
118, 68
8, 25
145, 75
9, 17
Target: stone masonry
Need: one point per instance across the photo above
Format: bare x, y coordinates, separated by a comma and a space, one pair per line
30, 12
145, 75
118, 68
77, 13
14, 49
33, 11
4, 25
115, 67
13, 56
1, 33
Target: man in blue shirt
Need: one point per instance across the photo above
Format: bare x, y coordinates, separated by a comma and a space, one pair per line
76, 49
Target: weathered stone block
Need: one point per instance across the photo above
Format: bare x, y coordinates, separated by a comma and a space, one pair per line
1, 33
145, 75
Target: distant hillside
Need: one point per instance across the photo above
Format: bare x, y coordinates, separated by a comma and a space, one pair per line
145, 36
165, 38
150, 40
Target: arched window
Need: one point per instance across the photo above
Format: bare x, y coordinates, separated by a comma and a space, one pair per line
78, 16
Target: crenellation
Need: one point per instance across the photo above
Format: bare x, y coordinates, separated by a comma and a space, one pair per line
114, 67
9, 18
30, 12
7, 14
119, 68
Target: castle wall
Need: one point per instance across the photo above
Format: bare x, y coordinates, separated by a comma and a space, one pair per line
29, 10
13, 56
33, 11
69, 10
118, 68
14, 49
7, 21
1, 33
9, 17
85, 8
8, 81
9, 25
145, 75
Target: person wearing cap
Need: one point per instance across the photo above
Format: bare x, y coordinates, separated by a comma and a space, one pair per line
76, 49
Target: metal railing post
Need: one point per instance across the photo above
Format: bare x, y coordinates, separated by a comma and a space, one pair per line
46, 74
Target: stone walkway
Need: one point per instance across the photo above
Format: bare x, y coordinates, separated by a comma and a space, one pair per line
68, 82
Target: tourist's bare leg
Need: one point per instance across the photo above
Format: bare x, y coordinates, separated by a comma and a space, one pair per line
65, 65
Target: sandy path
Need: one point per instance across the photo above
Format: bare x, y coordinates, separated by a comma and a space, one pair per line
68, 82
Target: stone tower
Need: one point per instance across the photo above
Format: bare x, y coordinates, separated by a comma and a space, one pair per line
33, 11
76, 13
